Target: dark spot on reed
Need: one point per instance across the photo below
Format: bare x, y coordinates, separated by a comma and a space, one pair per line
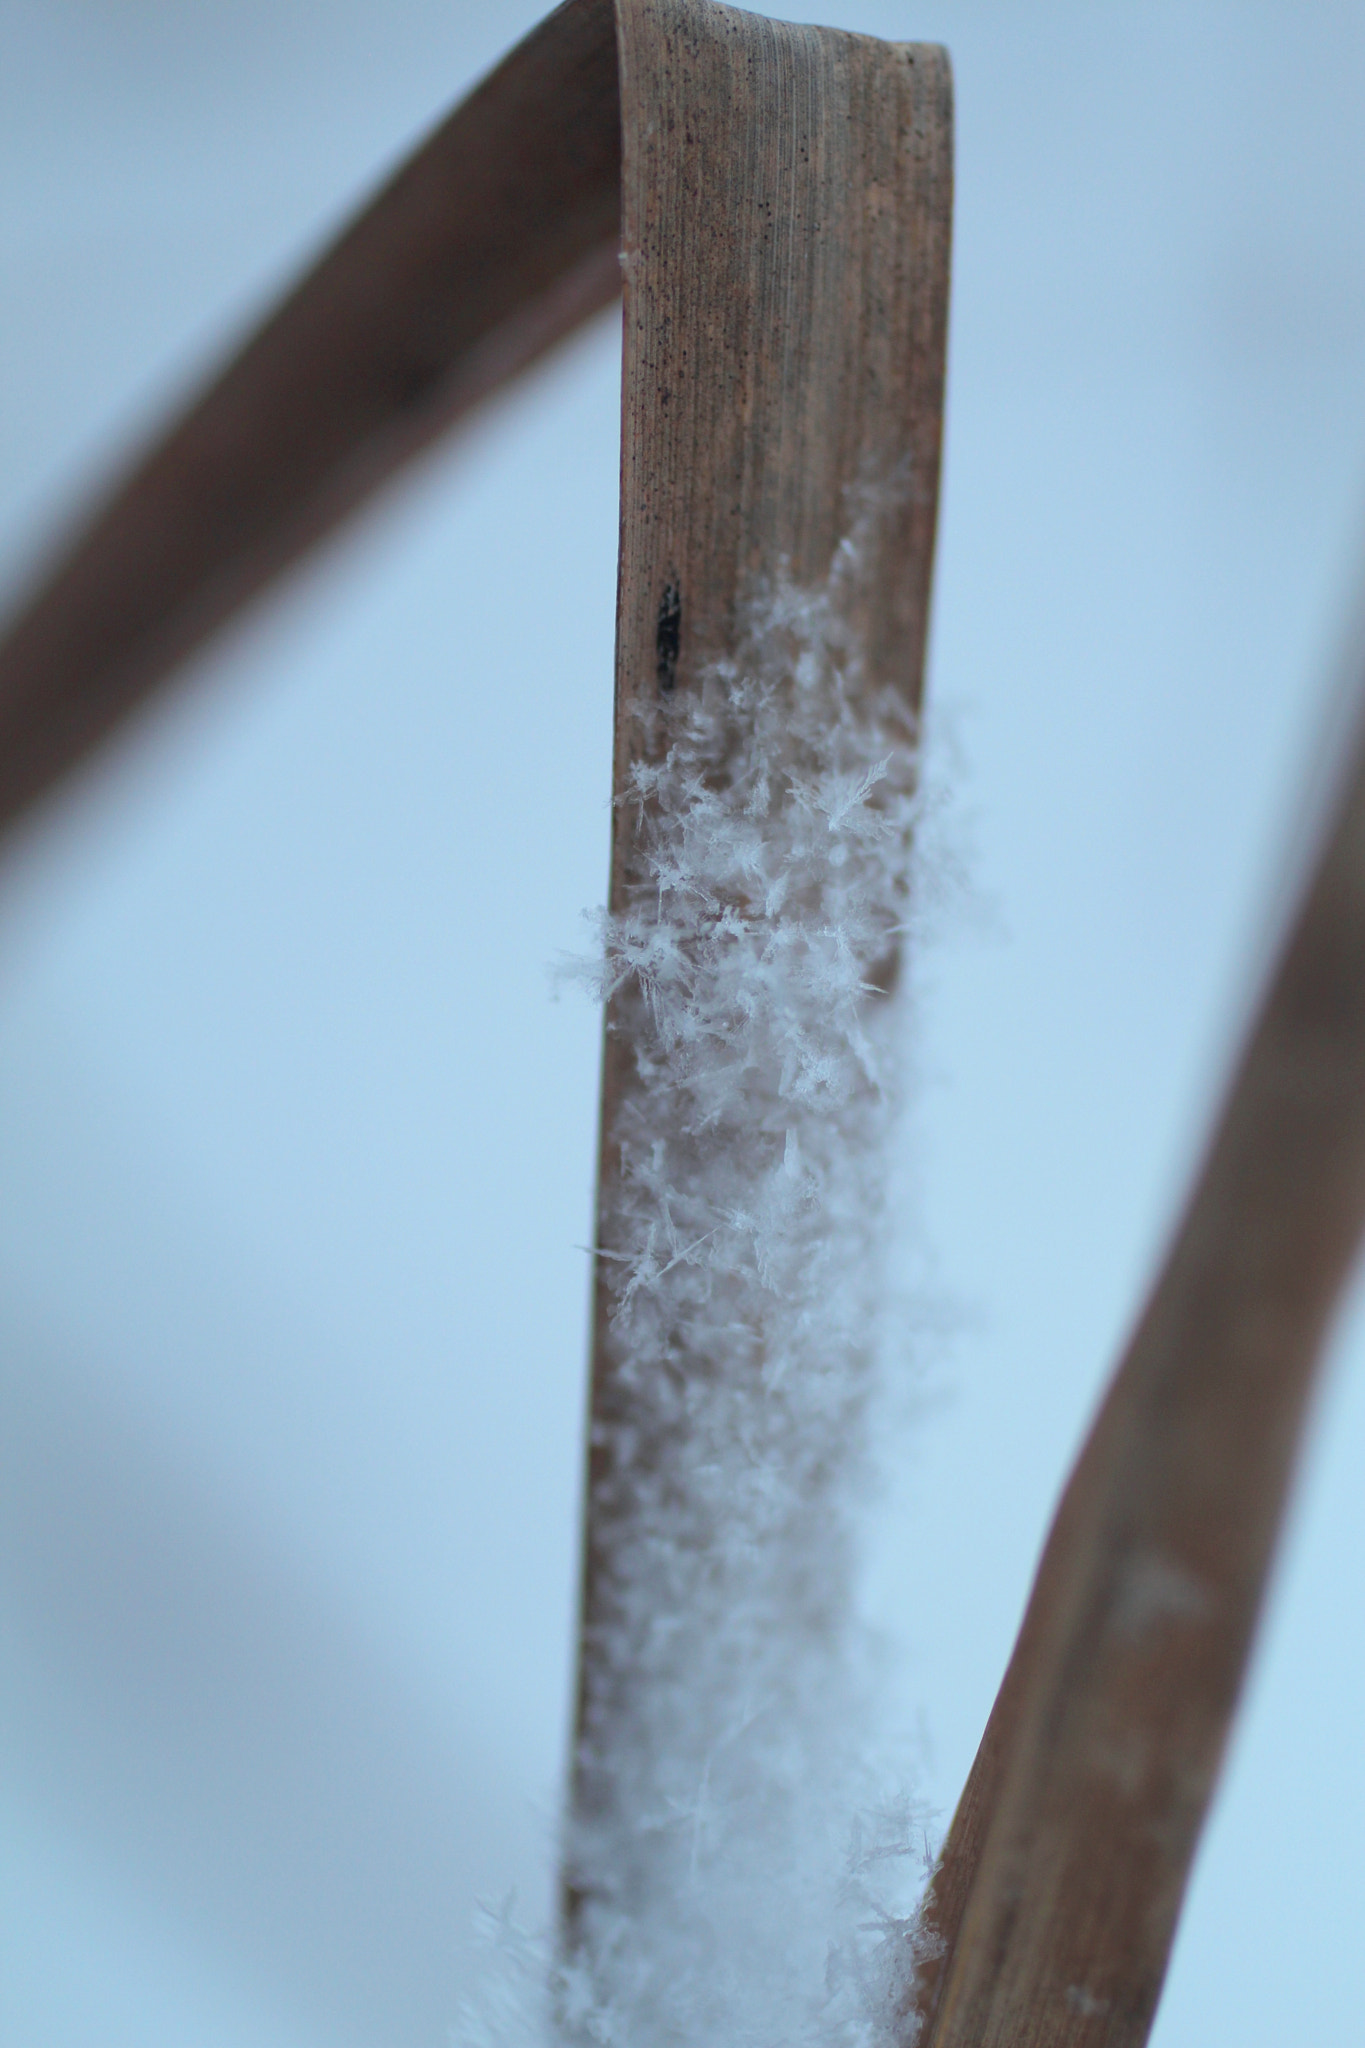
668, 636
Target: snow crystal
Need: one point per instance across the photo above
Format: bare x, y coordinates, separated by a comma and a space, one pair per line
725, 1891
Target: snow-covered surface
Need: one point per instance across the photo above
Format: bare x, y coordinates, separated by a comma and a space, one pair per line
296, 1148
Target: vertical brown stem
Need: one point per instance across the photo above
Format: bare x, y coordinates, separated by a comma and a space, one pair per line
785, 208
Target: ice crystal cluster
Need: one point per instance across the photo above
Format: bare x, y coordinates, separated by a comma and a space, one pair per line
730, 1888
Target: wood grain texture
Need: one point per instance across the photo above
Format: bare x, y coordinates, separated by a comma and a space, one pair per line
494, 240
1062, 1877
786, 201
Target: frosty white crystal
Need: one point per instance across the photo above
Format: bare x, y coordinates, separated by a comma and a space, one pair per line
723, 1895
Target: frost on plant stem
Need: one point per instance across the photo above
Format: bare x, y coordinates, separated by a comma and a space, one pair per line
734, 1879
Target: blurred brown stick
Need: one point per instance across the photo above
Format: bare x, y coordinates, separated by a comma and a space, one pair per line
1061, 1880
498, 237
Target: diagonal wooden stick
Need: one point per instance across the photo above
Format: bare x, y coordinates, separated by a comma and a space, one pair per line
498, 237
1060, 1883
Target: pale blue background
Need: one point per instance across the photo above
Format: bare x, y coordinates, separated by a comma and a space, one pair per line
295, 1145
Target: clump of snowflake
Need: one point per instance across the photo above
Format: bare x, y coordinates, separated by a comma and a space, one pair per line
724, 1891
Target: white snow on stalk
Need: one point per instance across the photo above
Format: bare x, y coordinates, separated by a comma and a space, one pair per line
728, 1892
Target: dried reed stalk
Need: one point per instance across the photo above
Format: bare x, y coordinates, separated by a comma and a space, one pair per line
1059, 1887
786, 198
493, 241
